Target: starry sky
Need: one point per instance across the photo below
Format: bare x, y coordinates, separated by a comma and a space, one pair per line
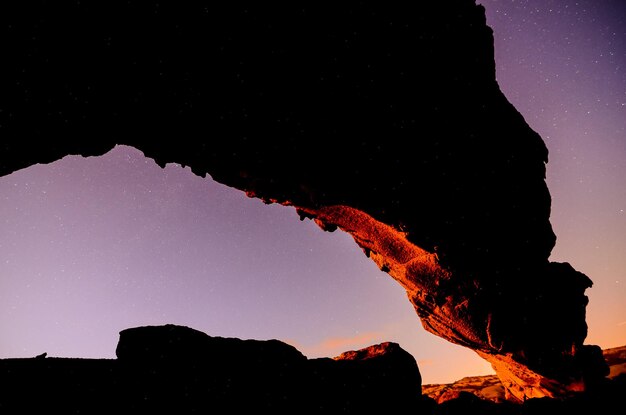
90, 246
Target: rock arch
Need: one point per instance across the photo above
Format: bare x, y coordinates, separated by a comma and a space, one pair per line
384, 121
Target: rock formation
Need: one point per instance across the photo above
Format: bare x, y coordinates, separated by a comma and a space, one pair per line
484, 387
177, 369
616, 359
385, 121
385, 368
490, 387
179, 345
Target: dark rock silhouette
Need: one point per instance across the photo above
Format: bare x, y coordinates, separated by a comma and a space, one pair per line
382, 120
270, 374
179, 344
178, 369
384, 370
382, 362
175, 369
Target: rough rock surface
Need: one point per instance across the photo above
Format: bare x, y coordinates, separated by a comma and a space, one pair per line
383, 120
490, 387
484, 387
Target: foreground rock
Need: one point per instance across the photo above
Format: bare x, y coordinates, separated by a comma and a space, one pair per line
616, 359
385, 121
266, 374
490, 388
483, 387
176, 369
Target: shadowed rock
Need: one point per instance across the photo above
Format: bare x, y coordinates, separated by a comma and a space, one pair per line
386, 361
384, 121
173, 344
384, 370
176, 369
174, 365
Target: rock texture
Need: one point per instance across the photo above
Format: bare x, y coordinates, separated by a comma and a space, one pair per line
484, 387
616, 359
490, 387
385, 121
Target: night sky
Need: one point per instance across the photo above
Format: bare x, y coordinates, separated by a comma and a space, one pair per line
91, 246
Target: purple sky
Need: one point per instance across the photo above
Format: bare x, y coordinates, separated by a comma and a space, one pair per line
89, 247
562, 63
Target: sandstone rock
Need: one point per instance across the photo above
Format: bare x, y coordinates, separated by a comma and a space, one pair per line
490, 387
387, 350
616, 359
484, 387
314, 107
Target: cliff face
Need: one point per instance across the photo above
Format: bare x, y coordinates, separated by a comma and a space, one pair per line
385, 122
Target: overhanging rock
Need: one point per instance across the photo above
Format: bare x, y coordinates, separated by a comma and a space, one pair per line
385, 121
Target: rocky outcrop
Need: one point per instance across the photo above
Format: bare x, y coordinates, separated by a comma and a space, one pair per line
384, 121
490, 387
269, 374
484, 387
179, 344
385, 368
616, 359
177, 369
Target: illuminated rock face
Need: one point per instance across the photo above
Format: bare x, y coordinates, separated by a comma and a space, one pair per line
384, 121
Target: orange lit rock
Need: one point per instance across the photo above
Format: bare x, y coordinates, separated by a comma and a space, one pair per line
464, 317
485, 387
382, 350
383, 120
490, 387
